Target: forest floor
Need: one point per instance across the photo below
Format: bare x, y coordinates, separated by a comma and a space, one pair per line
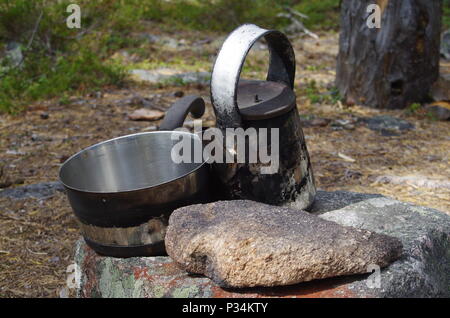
37, 236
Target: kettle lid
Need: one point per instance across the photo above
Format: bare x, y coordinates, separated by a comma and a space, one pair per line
259, 100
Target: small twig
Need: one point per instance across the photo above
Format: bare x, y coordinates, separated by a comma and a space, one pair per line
346, 158
85, 31
49, 46
36, 26
298, 24
295, 12
36, 253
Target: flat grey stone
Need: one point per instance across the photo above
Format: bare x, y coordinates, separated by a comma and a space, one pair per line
440, 91
439, 110
329, 201
14, 53
246, 244
445, 45
169, 76
42, 190
424, 269
163, 41
388, 125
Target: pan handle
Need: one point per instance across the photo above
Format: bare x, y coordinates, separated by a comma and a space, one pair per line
177, 113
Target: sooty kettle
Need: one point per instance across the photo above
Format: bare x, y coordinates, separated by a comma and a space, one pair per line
255, 104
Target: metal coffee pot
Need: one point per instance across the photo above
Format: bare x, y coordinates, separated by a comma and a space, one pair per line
269, 104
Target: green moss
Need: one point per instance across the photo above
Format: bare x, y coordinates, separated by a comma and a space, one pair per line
105, 279
178, 63
185, 292
316, 96
322, 14
446, 15
137, 288
413, 108
158, 291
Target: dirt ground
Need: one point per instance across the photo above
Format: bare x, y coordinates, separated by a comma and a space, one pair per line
37, 236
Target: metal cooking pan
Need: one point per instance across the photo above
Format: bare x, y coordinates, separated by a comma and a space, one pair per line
123, 190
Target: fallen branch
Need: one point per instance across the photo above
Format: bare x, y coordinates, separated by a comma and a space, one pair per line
36, 27
346, 158
295, 12
36, 253
298, 25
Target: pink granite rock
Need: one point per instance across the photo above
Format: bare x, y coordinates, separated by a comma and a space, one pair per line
246, 244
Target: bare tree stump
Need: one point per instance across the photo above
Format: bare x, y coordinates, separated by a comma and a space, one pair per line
394, 65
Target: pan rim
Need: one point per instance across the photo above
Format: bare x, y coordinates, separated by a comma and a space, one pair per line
200, 165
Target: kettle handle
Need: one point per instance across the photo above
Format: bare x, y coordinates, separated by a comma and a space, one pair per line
228, 66
177, 113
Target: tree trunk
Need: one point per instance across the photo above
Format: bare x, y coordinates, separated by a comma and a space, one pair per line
394, 65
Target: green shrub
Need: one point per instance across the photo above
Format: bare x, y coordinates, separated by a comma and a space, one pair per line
314, 94
216, 15
55, 61
42, 78
414, 107
322, 13
446, 14
58, 60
